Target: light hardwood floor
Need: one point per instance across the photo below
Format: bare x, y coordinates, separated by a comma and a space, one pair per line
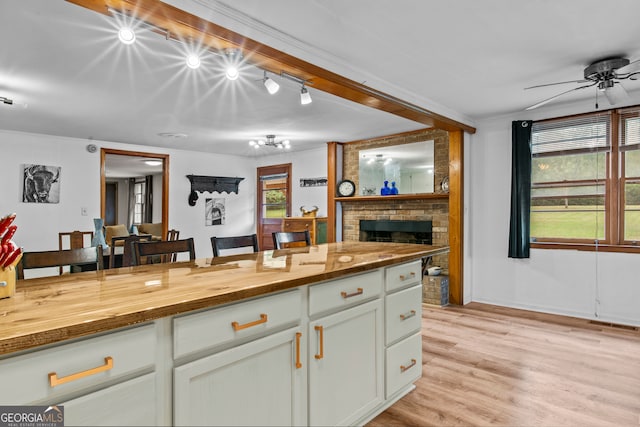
485, 365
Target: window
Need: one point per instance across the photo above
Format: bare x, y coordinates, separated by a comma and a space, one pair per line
139, 205
586, 179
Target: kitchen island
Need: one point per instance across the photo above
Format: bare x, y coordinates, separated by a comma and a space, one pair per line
297, 336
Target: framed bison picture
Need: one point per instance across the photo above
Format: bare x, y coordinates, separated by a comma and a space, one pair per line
41, 184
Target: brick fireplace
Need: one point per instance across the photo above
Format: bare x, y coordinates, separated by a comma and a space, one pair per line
435, 210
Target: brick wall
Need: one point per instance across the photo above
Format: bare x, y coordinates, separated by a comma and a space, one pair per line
434, 210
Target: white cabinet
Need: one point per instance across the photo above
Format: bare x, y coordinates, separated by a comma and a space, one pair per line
131, 403
346, 365
258, 383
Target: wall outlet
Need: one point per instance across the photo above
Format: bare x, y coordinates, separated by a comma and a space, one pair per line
83, 211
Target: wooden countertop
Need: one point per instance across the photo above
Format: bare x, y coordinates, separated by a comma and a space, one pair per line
52, 309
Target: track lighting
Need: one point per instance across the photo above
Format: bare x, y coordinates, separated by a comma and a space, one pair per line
126, 35
233, 57
6, 100
305, 96
270, 84
193, 61
271, 142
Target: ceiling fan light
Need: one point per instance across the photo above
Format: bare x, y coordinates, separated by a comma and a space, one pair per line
126, 35
305, 97
615, 94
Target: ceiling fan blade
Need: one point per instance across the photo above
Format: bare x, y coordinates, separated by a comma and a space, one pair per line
616, 93
557, 83
629, 68
541, 103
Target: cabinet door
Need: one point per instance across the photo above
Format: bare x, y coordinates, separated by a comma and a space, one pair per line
258, 383
346, 365
131, 403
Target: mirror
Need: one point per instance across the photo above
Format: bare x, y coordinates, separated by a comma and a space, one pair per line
409, 166
119, 168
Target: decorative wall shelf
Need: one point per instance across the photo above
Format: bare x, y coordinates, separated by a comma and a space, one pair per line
423, 196
202, 183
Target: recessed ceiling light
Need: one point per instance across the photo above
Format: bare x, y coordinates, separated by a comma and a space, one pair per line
172, 135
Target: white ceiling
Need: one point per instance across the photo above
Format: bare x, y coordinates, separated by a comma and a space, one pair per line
465, 59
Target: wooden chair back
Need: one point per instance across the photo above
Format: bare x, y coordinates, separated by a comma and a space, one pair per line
172, 234
155, 251
76, 240
290, 239
71, 257
127, 249
234, 242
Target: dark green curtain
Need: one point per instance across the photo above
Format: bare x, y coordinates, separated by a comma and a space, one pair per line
519, 227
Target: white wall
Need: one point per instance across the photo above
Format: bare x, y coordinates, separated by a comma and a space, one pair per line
39, 224
591, 285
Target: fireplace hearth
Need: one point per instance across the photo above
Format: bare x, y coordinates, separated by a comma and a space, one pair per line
397, 231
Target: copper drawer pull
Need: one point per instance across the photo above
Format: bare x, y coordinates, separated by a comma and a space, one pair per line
298, 336
411, 275
320, 330
404, 368
408, 315
345, 295
54, 380
239, 327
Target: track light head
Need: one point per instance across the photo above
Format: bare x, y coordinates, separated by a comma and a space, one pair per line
233, 58
305, 96
270, 84
126, 35
193, 61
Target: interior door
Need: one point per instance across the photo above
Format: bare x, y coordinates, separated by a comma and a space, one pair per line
273, 201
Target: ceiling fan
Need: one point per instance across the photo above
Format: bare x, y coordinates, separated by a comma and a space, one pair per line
606, 74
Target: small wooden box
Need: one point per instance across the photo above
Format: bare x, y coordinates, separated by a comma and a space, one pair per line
435, 290
7, 282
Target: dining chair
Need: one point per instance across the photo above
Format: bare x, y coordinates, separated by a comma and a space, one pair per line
172, 234
127, 249
155, 251
77, 240
289, 239
235, 242
59, 258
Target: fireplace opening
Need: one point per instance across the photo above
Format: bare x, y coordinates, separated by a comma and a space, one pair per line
396, 231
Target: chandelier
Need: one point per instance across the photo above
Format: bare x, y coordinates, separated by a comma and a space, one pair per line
271, 142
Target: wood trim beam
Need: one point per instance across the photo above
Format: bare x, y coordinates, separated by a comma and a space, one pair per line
176, 23
456, 212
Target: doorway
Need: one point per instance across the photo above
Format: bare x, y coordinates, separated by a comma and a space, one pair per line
273, 201
111, 201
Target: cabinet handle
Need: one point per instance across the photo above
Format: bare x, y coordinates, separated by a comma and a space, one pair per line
298, 336
345, 295
411, 275
239, 327
408, 315
404, 368
320, 330
54, 380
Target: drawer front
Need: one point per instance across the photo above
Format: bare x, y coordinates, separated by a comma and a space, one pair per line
341, 293
404, 313
212, 328
402, 276
297, 225
77, 365
404, 364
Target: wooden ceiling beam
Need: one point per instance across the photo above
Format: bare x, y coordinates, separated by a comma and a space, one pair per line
185, 26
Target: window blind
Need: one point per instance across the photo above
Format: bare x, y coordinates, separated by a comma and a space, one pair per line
590, 133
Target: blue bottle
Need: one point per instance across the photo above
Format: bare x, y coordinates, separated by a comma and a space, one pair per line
385, 191
394, 189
